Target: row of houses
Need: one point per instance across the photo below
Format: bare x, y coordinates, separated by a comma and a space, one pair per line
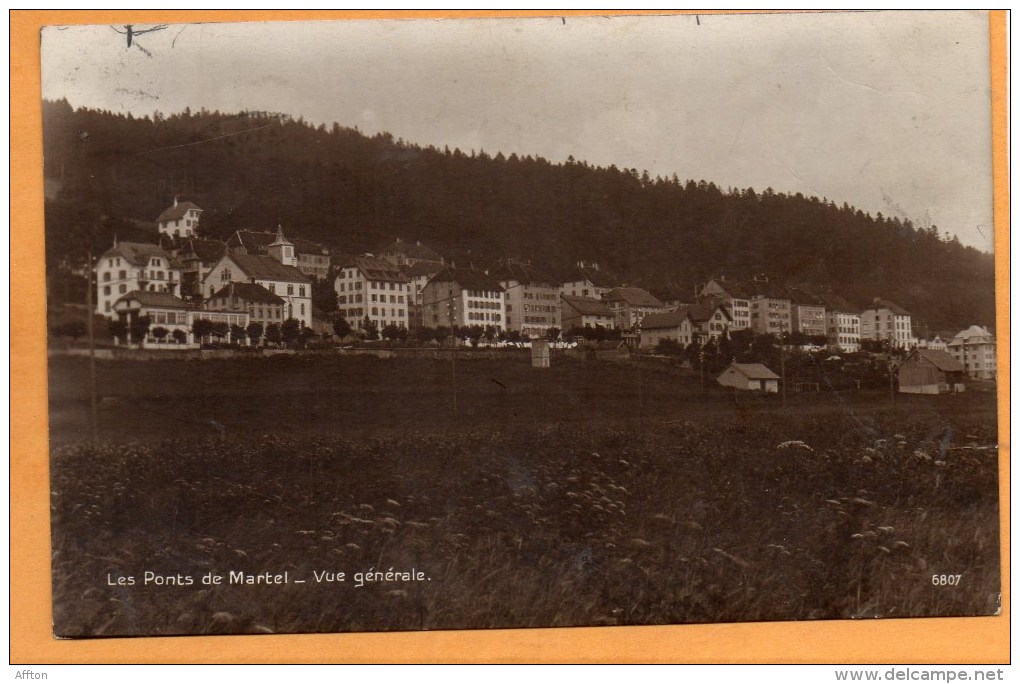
268, 277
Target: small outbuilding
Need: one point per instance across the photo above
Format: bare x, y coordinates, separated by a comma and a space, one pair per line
749, 376
929, 371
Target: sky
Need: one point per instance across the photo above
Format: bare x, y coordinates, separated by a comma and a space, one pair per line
887, 111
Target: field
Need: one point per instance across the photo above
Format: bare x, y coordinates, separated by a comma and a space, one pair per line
485, 493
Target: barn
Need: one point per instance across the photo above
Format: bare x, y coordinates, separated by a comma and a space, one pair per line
749, 376
929, 371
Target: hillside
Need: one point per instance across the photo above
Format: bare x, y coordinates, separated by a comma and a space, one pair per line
108, 173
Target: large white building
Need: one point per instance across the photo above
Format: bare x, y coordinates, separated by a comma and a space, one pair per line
974, 348
179, 220
886, 321
374, 289
284, 281
133, 266
464, 297
532, 298
842, 324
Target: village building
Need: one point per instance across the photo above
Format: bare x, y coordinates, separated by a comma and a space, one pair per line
926, 371
309, 257
771, 309
457, 297
711, 320
749, 376
808, 313
577, 313
133, 266
166, 312
282, 280
532, 298
629, 305
418, 276
974, 349
197, 257
670, 325
372, 289
261, 305
842, 324
179, 220
403, 253
735, 297
937, 341
886, 321
588, 280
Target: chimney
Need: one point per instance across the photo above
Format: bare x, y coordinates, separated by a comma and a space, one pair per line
418, 242
175, 200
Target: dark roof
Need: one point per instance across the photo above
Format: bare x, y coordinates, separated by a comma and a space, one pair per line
755, 371
587, 306
975, 334
670, 319
703, 311
422, 268
161, 299
252, 292
302, 246
177, 211
267, 268
468, 279
137, 253
595, 276
837, 303
770, 289
634, 296
939, 359
880, 303
802, 297
206, 250
375, 268
415, 250
523, 273
733, 288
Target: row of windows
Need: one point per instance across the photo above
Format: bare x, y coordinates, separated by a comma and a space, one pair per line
537, 308
484, 294
353, 299
482, 305
484, 316
540, 295
356, 285
394, 313
394, 299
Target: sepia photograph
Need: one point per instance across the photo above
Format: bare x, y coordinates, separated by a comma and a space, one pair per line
461, 324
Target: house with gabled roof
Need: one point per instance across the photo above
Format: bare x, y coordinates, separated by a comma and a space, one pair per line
371, 288
464, 297
927, 371
284, 281
749, 376
735, 296
532, 297
586, 279
311, 258
179, 220
261, 305
711, 319
670, 325
630, 305
164, 310
130, 266
197, 257
886, 321
974, 349
584, 312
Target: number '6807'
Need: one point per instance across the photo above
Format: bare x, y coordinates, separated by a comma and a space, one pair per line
946, 580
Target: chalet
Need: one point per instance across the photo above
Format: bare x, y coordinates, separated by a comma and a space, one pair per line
197, 257
584, 312
842, 324
886, 321
974, 349
374, 289
532, 298
734, 296
464, 297
285, 281
179, 220
588, 280
133, 266
403, 253
711, 320
926, 371
261, 305
309, 257
670, 325
166, 312
630, 305
749, 376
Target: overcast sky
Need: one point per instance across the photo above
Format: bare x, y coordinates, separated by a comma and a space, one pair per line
887, 111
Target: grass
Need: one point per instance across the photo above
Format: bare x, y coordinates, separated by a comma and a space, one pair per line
582, 495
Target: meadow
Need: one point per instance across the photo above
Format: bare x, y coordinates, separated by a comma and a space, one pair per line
496, 495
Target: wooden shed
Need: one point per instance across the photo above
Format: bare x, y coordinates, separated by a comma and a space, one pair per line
929, 371
749, 376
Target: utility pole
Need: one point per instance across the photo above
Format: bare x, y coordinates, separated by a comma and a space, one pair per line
782, 365
92, 349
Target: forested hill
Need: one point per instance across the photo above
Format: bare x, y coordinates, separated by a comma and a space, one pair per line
352, 192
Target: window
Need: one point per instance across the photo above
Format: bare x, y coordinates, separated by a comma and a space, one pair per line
272, 287
123, 288
375, 310
301, 291
225, 274
375, 298
302, 309
106, 290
